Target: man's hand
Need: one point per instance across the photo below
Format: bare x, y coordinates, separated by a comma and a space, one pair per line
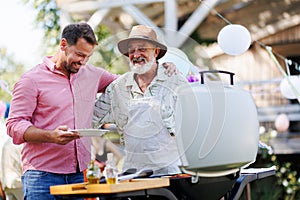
170, 68
63, 136
60, 135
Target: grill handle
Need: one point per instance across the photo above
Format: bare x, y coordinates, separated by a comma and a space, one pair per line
231, 74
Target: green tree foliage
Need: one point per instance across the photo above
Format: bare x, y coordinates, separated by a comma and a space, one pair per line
285, 185
10, 72
104, 54
47, 18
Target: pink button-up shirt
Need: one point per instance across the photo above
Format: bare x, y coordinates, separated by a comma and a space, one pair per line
46, 98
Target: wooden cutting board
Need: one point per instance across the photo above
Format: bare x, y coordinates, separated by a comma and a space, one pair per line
126, 186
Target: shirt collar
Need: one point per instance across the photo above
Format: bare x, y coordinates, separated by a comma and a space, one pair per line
49, 63
161, 76
51, 66
130, 79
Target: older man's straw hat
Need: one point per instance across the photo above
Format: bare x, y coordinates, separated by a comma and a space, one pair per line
142, 32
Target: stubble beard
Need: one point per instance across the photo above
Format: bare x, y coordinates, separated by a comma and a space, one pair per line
69, 68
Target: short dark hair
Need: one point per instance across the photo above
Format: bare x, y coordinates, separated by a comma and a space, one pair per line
73, 32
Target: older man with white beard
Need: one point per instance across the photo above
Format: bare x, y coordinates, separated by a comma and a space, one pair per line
142, 103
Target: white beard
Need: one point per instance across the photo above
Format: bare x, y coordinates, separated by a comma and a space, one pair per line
142, 69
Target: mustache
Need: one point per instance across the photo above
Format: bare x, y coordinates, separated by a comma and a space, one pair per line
139, 59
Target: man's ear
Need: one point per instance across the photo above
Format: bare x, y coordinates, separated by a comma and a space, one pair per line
63, 44
157, 50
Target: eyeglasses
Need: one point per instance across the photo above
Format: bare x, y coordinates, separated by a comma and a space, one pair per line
131, 50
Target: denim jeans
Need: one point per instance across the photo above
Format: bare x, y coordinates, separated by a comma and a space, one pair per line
36, 184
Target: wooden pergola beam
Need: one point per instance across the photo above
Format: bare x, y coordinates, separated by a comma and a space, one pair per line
171, 34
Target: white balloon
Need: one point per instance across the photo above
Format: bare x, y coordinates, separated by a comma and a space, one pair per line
282, 123
234, 39
286, 89
179, 58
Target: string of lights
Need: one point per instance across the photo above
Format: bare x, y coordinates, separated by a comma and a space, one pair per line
288, 62
289, 91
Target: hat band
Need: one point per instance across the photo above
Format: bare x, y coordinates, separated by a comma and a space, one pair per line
142, 36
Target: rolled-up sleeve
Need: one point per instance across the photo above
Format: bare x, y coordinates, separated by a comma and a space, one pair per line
22, 106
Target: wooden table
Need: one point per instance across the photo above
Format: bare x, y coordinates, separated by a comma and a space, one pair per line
134, 187
158, 186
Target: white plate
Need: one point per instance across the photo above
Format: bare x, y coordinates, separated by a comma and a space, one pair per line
91, 132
